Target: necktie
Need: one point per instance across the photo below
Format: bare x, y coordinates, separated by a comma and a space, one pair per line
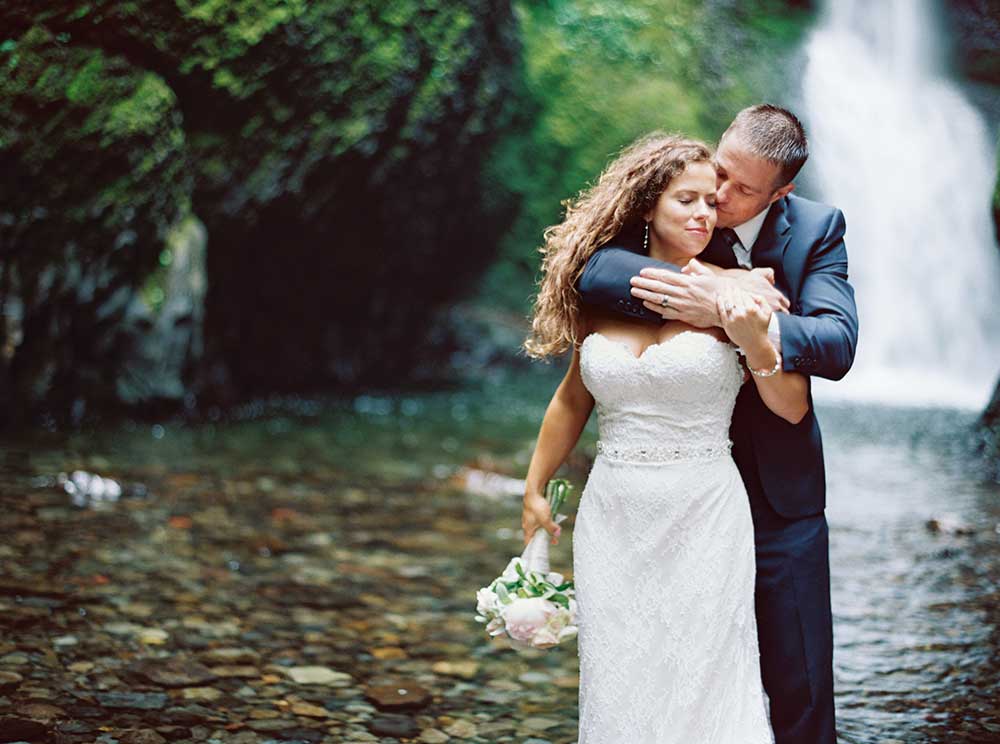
732, 241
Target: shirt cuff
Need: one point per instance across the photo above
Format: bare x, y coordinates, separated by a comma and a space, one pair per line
774, 332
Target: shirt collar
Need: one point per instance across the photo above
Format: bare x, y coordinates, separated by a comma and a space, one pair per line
749, 230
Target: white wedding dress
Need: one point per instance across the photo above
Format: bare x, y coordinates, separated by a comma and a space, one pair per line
663, 552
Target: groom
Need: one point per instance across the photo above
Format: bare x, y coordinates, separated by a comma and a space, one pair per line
762, 225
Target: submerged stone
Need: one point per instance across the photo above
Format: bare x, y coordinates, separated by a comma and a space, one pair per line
175, 672
393, 725
137, 700
399, 696
16, 729
317, 675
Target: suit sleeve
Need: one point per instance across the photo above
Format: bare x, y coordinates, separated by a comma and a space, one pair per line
605, 281
820, 338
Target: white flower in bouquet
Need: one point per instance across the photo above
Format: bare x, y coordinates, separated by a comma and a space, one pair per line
487, 602
533, 606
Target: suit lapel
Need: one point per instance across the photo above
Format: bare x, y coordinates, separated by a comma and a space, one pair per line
769, 249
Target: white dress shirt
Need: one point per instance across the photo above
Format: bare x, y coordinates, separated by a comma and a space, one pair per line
747, 233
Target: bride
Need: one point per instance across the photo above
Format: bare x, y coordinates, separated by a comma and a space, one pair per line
663, 551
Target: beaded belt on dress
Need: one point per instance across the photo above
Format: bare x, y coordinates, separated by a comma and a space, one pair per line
663, 453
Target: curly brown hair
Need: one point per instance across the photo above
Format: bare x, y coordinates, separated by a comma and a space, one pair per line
627, 189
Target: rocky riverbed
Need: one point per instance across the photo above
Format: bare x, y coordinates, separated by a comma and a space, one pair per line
306, 572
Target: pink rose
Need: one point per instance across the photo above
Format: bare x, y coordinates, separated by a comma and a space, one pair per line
526, 616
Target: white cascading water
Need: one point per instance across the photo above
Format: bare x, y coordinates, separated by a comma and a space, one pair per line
901, 151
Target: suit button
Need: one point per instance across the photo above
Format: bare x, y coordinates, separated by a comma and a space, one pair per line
621, 303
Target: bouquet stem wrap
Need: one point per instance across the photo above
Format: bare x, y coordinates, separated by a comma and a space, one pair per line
536, 552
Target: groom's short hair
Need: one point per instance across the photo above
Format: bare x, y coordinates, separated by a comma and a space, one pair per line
774, 134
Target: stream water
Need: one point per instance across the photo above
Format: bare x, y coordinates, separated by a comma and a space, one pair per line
353, 535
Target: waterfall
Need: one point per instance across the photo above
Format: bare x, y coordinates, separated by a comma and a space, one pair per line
900, 149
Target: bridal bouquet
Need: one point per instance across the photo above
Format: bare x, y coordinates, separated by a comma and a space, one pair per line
533, 606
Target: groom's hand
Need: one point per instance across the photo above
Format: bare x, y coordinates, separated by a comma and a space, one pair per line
691, 295
760, 282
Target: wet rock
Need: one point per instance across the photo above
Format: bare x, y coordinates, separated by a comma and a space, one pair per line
464, 668
324, 598
317, 675
358, 707
175, 733
462, 729
538, 723
389, 652
139, 736
239, 672
9, 681
273, 724
77, 727
18, 729
309, 710
393, 725
201, 694
433, 736
148, 635
211, 628
230, 656
244, 737
264, 714
135, 700
41, 712
402, 696
534, 678
189, 715
491, 729
175, 672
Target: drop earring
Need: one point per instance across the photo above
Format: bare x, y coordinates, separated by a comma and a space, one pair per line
645, 240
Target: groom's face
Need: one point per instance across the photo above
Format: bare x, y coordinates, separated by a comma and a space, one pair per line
746, 182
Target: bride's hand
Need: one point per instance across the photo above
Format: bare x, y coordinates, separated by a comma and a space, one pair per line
744, 318
537, 513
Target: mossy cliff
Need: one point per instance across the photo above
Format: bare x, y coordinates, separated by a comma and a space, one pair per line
332, 150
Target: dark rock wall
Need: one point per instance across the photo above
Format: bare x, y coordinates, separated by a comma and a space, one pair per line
332, 151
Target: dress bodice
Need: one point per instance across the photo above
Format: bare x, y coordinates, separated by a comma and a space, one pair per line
675, 401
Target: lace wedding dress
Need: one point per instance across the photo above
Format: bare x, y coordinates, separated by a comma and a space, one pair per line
663, 552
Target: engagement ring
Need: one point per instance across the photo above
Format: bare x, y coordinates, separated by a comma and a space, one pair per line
663, 300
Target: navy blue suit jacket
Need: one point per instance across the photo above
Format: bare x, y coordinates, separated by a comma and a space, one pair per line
803, 241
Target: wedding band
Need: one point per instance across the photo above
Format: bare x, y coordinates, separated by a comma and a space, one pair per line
663, 300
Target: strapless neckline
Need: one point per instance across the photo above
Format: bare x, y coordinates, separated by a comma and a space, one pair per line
659, 344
